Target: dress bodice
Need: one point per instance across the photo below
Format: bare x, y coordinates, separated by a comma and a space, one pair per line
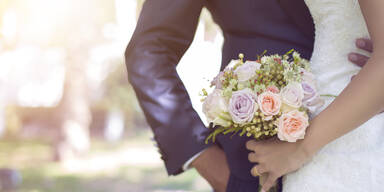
337, 25
352, 162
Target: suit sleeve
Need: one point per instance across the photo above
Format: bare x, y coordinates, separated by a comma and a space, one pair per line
164, 32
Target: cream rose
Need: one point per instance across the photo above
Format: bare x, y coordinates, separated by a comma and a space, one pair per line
269, 103
214, 107
231, 64
247, 70
292, 95
292, 126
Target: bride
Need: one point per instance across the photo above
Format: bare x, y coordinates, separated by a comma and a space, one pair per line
343, 149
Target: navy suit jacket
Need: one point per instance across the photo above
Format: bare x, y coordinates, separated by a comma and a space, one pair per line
164, 32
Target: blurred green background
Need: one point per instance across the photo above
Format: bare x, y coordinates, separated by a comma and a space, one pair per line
69, 120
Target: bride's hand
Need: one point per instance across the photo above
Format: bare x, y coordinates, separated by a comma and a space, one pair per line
276, 158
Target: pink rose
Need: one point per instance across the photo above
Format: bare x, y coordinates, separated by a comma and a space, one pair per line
292, 126
242, 106
269, 103
292, 95
273, 89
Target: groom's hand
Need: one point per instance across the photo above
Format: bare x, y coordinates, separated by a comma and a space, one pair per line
212, 165
357, 58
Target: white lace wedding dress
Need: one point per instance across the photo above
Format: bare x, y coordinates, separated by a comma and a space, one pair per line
354, 162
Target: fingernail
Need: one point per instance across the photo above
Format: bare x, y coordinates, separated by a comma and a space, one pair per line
262, 190
352, 57
360, 43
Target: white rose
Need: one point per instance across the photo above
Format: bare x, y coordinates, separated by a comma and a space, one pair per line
247, 70
214, 107
292, 95
231, 64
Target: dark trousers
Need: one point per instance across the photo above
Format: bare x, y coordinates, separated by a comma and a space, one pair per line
237, 185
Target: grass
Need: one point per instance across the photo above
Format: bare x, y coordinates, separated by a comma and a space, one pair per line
102, 170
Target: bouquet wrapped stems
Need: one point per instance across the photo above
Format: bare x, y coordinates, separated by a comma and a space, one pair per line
272, 96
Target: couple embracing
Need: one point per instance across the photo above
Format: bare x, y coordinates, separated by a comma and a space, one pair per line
343, 149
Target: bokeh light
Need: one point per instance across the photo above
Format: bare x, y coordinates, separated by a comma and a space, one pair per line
69, 120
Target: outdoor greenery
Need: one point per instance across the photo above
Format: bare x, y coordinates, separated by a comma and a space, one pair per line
40, 174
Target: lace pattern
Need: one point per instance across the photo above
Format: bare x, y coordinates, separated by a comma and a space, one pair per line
353, 162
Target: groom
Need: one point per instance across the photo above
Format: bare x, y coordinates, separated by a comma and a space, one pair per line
164, 32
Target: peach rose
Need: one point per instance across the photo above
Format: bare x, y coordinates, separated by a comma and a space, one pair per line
269, 103
292, 126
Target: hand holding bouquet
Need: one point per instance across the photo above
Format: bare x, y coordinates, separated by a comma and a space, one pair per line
274, 95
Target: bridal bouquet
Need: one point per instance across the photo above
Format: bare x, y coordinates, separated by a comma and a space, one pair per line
274, 95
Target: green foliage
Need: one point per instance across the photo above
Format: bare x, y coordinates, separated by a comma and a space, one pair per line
32, 159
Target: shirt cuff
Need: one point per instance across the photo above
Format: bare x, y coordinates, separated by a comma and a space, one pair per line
187, 164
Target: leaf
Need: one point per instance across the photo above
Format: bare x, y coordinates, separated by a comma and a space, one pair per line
229, 130
207, 139
243, 132
237, 130
289, 52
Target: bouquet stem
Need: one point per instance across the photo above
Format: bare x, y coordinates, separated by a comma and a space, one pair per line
262, 179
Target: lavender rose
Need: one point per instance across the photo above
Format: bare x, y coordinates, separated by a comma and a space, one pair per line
242, 106
217, 80
311, 99
307, 76
247, 70
309, 91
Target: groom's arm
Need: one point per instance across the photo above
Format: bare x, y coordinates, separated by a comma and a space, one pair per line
164, 32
